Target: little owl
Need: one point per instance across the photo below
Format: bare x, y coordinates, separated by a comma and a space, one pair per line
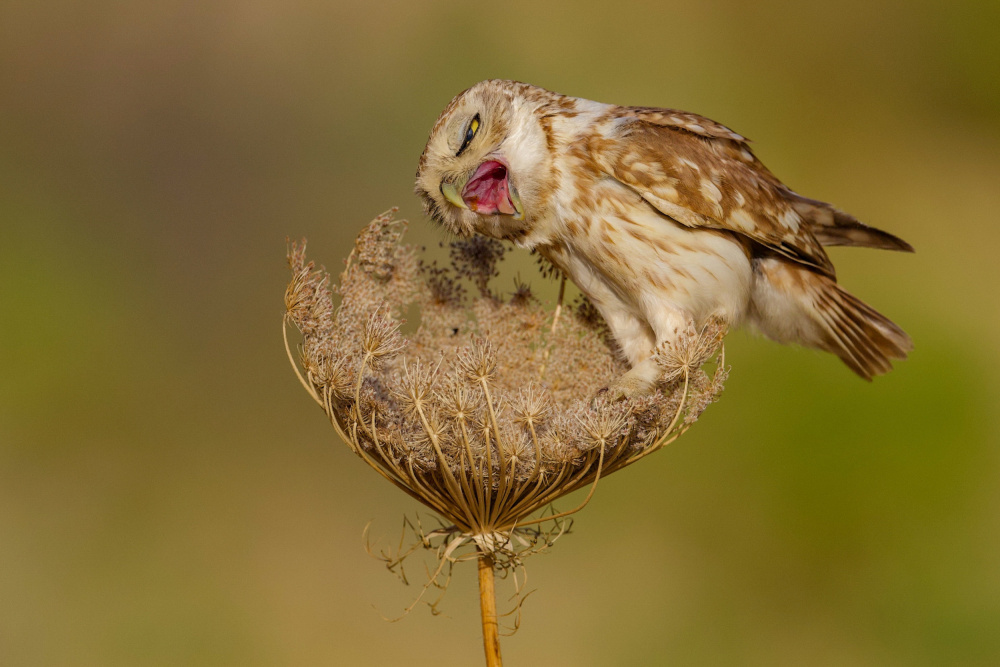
664, 219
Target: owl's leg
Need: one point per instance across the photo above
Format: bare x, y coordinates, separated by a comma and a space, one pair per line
664, 327
636, 340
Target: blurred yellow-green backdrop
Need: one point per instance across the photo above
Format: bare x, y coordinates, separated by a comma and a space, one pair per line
170, 496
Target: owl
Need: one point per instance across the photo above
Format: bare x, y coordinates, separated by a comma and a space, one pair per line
664, 219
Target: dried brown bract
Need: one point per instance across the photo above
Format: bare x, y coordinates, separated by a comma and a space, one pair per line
491, 410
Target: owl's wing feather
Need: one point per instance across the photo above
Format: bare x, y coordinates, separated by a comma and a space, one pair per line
684, 120
702, 174
831, 226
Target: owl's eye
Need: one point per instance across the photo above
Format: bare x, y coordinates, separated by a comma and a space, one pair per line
469, 133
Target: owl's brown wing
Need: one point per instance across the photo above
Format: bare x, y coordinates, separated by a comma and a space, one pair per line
702, 174
682, 120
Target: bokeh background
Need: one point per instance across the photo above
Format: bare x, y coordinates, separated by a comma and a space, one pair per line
170, 496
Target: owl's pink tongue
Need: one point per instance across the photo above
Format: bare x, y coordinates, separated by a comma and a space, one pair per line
488, 192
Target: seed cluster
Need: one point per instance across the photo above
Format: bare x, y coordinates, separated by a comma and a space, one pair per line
493, 407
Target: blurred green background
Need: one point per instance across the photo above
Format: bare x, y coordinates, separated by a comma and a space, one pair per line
170, 496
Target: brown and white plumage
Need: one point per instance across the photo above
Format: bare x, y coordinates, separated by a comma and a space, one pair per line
662, 218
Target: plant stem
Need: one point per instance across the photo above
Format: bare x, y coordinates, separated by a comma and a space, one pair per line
488, 607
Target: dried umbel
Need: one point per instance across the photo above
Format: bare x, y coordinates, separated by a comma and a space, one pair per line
493, 407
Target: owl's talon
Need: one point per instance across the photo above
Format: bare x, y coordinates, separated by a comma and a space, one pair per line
627, 386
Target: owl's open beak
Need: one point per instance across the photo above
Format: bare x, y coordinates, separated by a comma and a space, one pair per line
488, 192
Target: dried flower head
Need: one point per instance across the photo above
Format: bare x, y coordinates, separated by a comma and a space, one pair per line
491, 410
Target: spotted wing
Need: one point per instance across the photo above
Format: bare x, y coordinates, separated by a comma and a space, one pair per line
702, 174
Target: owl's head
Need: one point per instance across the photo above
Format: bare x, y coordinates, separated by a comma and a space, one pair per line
486, 167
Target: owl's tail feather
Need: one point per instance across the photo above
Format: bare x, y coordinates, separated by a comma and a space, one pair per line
831, 226
793, 304
863, 338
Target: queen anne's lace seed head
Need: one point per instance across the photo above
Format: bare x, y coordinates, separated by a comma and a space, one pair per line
478, 361
531, 406
486, 413
381, 340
